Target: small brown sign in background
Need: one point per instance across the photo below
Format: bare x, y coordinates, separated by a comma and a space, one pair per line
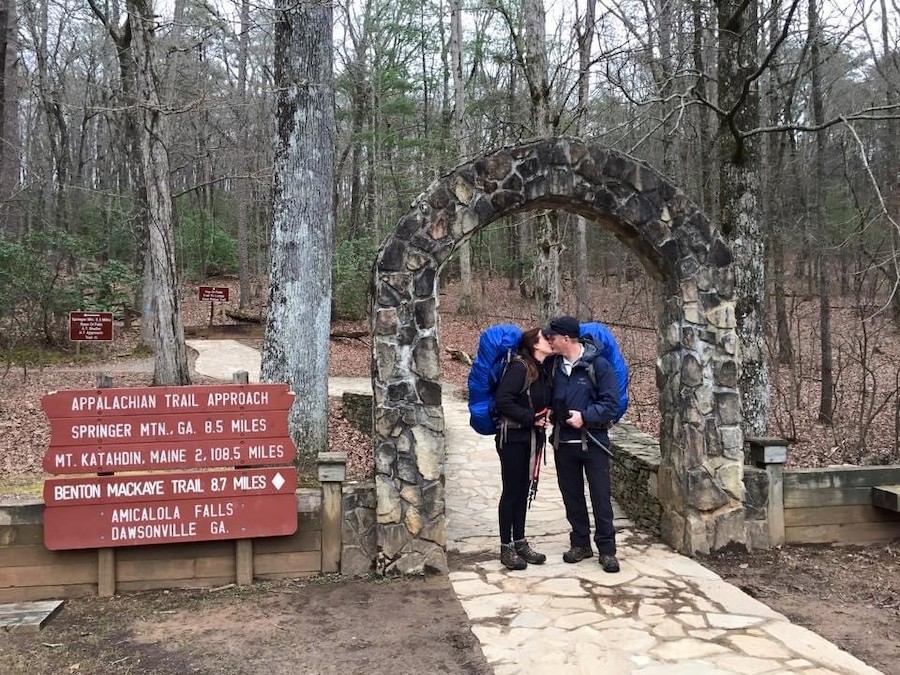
214, 293
90, 326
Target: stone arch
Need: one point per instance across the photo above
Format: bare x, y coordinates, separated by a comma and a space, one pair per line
701, 442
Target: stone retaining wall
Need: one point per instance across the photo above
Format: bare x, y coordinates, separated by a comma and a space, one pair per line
359, 549
634, 485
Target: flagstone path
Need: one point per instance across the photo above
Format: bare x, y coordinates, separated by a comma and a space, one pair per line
663, 614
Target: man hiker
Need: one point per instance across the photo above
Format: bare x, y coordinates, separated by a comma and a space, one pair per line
584, 408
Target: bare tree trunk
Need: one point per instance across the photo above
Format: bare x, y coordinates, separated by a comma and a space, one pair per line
707, 191
299, 308
889, 176
466, 305
10, 216
585, 44
547, 283
242, 187
826, 398
122, 40
170, 365
785, 343
739, 207
360, 99
773, 208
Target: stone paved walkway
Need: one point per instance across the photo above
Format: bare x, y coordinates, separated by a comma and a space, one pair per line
663, 614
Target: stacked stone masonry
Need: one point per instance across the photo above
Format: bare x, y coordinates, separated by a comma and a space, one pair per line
700, 480
635, 475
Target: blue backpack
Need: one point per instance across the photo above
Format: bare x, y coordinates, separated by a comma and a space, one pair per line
606, 345
497, 346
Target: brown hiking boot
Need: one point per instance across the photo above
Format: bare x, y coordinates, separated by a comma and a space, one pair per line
528, 554
609, 563
510, 558
577, 554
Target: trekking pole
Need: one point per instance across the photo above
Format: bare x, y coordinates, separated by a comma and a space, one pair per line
536, 470
606, 450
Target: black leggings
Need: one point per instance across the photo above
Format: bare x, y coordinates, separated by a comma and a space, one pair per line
514, 460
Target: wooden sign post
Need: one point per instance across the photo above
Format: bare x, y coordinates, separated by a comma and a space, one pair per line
90, 327
213, 294
152, 430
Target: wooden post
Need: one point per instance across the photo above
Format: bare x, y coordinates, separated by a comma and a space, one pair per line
243, 548
332, 471
243, 562
771, 454
106, 557
106, 572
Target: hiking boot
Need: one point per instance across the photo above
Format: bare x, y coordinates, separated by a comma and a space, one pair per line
609, 563
510, 558
528, 554
577, 554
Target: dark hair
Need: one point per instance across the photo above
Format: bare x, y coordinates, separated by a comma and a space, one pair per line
526, 352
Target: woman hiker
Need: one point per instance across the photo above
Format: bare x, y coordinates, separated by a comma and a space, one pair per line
521, 400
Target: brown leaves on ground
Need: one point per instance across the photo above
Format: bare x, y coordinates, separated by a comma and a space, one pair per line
849, 595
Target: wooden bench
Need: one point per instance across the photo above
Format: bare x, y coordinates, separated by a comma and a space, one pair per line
886, 497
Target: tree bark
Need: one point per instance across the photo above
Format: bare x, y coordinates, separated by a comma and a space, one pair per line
704, 135
826, 396
890, 73
130, 118
295, 349
242, 186
585, 44
466, 305
547, 282
10, 216
170, 365
739, 207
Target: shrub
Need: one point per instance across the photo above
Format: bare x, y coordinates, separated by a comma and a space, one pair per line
204, 247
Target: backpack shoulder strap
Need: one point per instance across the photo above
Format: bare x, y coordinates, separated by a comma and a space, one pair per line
592, 373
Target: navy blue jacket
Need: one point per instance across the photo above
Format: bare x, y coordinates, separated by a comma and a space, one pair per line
598, 405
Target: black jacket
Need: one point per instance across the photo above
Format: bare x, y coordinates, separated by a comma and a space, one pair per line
517, 405
598, 405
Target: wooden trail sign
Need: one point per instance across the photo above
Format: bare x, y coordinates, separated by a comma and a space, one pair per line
199, 454
129, 401
213, 293
152, 429
73, 432
168, 486
90, 326
140, 523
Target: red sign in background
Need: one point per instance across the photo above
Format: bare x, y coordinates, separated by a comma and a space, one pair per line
214, 293
157, 428
90, 326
